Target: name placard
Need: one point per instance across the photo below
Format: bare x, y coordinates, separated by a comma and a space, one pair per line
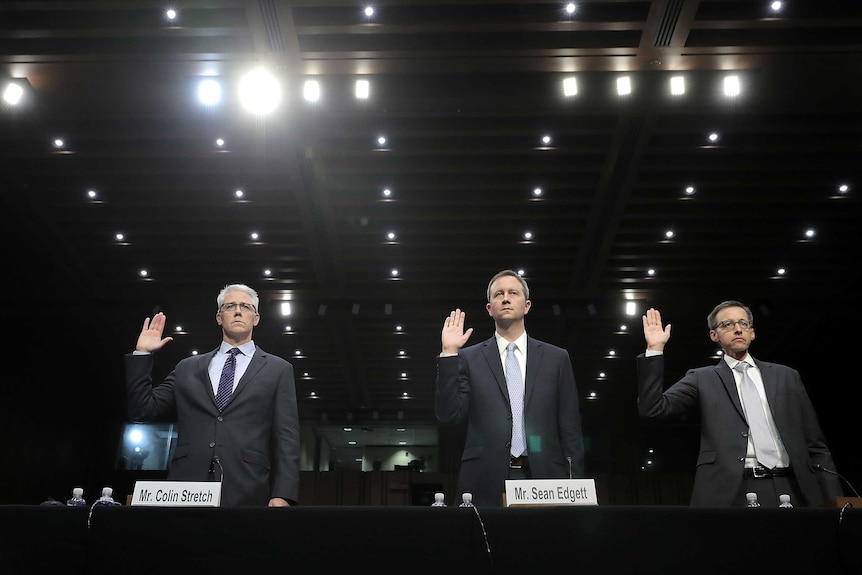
550, 492
177, 493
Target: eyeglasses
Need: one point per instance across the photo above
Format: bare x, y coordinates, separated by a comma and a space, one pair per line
243, 307
729, 324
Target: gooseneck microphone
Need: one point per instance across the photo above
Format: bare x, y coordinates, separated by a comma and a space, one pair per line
819, 467
569, 459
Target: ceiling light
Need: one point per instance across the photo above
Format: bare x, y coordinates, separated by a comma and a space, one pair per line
259, 92
713, 137
288, 328
238, 193
669, 234
537, 192
631, 308
311, 90
624, 86
677, 85
219, 142
689, 190
390, 236
59, 143
570, 86
650, 272
731, 86
386, 193
91, 194
368, 11
362, 90
285, 309
171, 14
13, 93
546, 140
119, 237
143, 273
810, 233
209, 92
267, 273
776, 6
394, 273
570, 8
381, 140
528, 235
254, 235
843, 188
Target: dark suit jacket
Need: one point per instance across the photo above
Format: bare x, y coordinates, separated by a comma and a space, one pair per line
256, 436
724, 431
472, 386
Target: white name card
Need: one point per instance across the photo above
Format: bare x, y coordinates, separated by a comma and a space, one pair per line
177, 493
550, 492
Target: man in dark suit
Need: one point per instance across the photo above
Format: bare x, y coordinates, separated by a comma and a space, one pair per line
733, 460
538, 437
251, 442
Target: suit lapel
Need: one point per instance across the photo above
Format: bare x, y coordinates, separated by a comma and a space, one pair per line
534, 361
204, 373
770, 385
258, 360
495, 364
725, 374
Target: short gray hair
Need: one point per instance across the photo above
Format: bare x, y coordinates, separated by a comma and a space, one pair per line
255, 301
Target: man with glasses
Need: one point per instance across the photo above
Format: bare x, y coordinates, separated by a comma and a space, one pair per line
759, 430
235, 407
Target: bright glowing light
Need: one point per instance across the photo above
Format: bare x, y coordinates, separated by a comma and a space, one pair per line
363, 89
311, 90
731, 86
259, 92
570, 86
677, 85
13, 94
624, 86
209, 92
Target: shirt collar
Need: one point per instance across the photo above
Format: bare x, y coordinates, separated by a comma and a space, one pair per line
247, 348
732, 362
521, 343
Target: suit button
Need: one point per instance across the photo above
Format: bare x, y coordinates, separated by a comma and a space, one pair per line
740, 459
212, 444
745, 434
508, 444
220, 418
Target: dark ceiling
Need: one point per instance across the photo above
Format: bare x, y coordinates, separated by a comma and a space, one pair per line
463, 92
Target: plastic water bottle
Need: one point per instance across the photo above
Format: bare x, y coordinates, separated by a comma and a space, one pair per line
107, 497
467, 500
751, 500
784, 501
77, 499
438, 500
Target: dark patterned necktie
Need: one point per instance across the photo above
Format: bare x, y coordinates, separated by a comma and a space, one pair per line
225, 384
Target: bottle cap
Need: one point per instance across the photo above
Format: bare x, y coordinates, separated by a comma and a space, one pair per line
438, 496
78, 492
467, 497
784, 498
751, 496
107, 491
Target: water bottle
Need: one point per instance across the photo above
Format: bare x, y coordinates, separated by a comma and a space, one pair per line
751, 500
107, 497
438, 500
77, 499
784, 501
467, 500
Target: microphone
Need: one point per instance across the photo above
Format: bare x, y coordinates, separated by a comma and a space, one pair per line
217, 461
569, 459
818, 467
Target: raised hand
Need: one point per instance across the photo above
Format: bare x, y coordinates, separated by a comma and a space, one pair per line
151, 334
454, 337
656, 337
